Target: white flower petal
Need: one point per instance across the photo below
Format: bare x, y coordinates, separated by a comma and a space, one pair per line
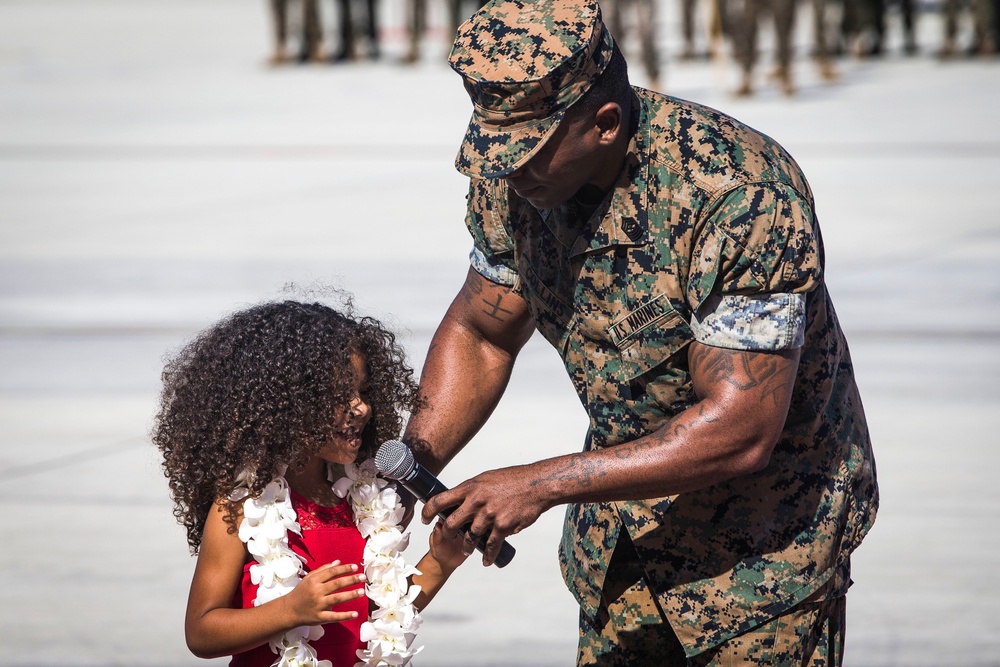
342, 487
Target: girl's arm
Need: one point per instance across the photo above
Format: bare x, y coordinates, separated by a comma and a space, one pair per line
443, 558
213, 628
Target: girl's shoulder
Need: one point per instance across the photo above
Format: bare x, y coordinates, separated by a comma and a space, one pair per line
220, 539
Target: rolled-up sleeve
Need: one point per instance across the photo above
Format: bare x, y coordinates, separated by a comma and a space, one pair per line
763, 322
495, 272
492, 253
757, 257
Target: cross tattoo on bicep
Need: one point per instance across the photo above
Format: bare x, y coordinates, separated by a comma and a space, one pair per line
495, 310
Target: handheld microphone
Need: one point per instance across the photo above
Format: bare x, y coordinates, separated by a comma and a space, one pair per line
395, 461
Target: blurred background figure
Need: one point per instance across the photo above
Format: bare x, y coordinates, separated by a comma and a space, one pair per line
348, 13
863, 26
714, 29
689, 10
305, 15
456, 10
418, 24
625, 18
746, 16
827, 36
744, 32
985, 17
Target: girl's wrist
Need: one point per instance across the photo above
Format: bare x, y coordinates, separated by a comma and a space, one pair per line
288, 616
430, 566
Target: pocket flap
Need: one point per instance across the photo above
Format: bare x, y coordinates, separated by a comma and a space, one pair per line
649, 335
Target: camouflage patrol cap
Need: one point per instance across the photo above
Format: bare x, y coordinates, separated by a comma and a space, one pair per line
523, 64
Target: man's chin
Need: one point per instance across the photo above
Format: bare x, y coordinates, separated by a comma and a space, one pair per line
543, 200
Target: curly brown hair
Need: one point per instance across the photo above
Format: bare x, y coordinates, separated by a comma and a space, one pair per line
262, 389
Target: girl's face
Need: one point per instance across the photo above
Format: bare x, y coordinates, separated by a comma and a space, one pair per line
343, 447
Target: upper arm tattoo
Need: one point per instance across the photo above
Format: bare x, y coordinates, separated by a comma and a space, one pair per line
770, 375
477, 294
473, 287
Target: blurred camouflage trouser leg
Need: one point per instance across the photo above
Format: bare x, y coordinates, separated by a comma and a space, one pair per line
371, 28
783, 14
688, 10
279, 22
824, 45
418, 23
982, 20
346, 49
645, 23
949, 12
312, 32
996, 21
908, 10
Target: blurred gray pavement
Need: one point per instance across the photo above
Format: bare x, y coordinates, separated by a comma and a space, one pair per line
155, 175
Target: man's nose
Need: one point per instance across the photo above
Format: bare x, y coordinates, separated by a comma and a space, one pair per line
516, 174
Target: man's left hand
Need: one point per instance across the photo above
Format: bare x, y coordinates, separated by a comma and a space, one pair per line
495, 504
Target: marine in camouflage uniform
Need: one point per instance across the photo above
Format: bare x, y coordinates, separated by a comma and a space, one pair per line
311, 42
746, 16
985, 27
727, 473
456, 11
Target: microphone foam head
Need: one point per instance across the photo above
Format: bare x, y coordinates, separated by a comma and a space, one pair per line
394, 459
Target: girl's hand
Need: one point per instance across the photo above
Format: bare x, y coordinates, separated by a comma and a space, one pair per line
447, 551
310, 602
443, 558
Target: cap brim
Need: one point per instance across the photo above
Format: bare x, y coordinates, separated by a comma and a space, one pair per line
491, 151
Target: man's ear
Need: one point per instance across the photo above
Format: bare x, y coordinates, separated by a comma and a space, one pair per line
609, 122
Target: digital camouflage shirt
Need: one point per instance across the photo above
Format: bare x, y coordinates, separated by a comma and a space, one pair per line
708, 235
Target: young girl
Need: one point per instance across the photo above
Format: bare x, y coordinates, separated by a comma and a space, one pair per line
260, 414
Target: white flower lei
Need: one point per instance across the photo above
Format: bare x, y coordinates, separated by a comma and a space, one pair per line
377, 513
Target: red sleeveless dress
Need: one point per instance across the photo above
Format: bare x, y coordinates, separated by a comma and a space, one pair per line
328, 534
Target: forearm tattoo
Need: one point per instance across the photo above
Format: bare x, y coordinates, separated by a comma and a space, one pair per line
765, 378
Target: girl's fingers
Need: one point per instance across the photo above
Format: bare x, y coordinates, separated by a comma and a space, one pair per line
334, 570
333, 599
338, 583
337, 616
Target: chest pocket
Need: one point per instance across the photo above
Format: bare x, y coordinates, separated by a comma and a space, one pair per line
648, 336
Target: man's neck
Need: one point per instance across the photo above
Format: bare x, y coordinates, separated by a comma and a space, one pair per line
587, 200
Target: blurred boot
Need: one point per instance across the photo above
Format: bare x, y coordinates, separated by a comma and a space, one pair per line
745, 89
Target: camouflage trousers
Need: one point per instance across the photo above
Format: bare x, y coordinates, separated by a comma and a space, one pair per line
632, 630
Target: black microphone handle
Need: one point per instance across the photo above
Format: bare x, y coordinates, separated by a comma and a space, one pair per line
424, 485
